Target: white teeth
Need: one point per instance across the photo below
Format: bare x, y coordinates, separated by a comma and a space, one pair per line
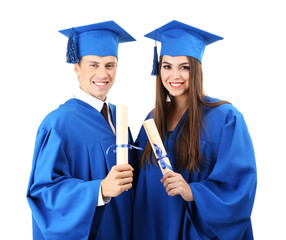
100, 83
175, 84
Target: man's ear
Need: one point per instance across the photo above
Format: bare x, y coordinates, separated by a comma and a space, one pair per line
77, 69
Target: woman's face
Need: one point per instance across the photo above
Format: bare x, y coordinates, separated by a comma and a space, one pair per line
175, 75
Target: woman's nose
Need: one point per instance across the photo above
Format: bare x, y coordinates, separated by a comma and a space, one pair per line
176, 74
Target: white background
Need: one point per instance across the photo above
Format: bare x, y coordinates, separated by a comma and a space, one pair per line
247, 68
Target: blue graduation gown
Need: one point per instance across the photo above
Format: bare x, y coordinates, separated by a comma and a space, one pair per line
69, 163
223, 190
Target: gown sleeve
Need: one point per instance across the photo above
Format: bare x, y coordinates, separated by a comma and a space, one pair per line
63, 207
224, 200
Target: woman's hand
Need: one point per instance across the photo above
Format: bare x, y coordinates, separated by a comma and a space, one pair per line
175, 184
118, 180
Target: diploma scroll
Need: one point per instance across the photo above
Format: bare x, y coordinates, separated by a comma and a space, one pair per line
121, 134
157, 145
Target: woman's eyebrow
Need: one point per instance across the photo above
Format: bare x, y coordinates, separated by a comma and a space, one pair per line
184, 63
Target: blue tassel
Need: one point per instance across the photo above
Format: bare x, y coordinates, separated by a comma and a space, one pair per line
155, 63
71, 50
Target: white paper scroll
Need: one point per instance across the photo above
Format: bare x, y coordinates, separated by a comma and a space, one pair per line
157, 145
121, 134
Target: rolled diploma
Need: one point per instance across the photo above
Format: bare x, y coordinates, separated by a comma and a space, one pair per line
154, 137
121, 133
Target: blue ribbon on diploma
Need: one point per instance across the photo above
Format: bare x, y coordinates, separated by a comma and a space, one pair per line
129, 146
159, 153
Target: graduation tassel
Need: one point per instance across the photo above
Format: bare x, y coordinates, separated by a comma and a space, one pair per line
71, 50
155, 62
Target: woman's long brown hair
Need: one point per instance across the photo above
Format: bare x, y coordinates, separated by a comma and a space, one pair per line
188, 155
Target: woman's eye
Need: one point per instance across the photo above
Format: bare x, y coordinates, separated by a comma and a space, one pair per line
185, 67
166, 66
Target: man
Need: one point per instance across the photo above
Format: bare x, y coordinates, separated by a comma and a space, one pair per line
76, 191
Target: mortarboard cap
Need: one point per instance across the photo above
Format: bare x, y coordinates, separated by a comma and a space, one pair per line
179, 39
99, 39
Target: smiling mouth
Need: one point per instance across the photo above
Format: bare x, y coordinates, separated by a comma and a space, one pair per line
176, 84
100, 84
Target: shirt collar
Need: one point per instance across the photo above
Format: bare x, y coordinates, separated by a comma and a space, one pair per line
87, 98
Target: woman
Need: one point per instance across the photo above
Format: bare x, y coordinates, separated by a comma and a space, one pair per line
210, 193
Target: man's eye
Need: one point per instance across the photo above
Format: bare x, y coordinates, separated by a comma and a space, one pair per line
110, 66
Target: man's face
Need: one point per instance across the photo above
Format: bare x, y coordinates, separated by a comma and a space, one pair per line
96, 74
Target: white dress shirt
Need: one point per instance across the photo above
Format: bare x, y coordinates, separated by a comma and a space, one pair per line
94, 102
97, 104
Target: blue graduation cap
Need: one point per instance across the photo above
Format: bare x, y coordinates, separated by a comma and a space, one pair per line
179, 39
99, 39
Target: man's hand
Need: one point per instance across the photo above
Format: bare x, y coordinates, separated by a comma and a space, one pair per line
118, 180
